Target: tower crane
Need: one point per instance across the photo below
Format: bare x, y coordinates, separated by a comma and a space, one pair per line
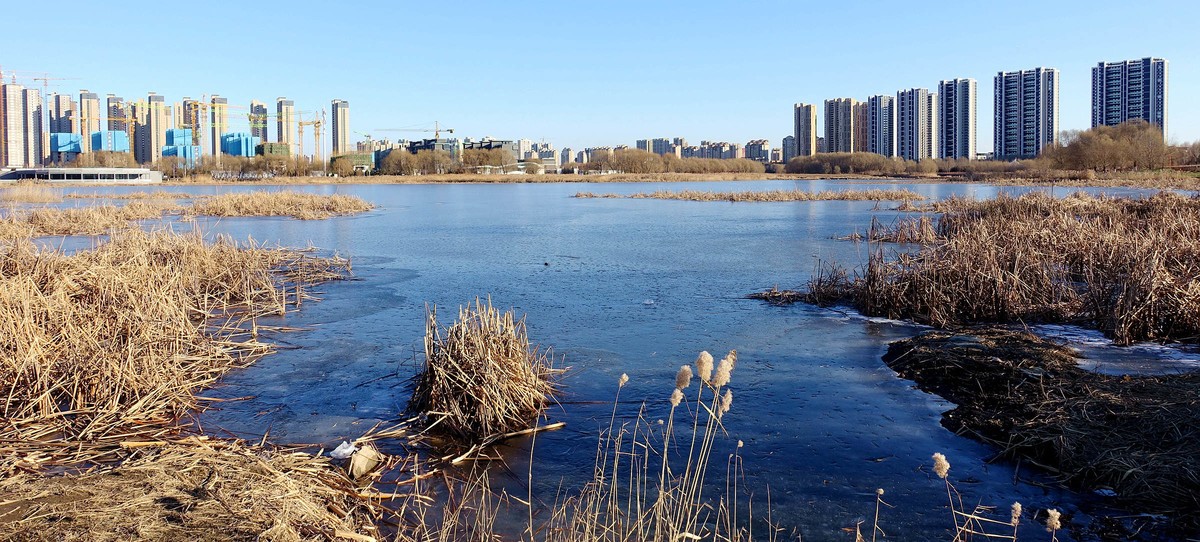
317, 123
437, 130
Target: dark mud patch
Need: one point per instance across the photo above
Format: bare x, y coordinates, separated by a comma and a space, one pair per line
1133, 439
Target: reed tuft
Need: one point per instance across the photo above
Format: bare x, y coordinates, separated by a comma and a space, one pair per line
481, 377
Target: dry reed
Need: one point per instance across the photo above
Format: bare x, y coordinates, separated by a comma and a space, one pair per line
769, 195
299, 205
1126, 266
481, 377
1138, 436
116, 340
192, 489
30, 193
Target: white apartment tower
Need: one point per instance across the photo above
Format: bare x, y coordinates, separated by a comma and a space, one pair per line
35, 149
218, 124
1128, 90
1026, 112
881, 125
151, 118
956, 119
805, 129
89, 117
341, 127
840, 125
12, 125
916, 124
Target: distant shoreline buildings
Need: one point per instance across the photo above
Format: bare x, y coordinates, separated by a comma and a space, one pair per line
914, 124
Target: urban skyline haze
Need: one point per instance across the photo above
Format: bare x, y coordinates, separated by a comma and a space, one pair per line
582, 76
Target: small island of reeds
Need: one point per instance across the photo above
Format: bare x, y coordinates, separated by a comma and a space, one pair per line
768, 195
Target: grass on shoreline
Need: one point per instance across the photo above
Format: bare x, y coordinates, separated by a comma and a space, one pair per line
1125, 266
768, 195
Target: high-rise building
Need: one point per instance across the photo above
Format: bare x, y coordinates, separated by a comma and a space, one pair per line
258, 120
524, 148
218, 123
12, 125
63, 111
152, 119
193, 119
566, 156
956, 119
916, 124
759, 150
1026, 109
642, 145
116, 113
1128, 90
89, 117
340, 110
861, 116
285, 123
881, 125
35, 151
789, 148
839, 125
805, 129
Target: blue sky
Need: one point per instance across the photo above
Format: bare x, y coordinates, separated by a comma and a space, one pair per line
594, 73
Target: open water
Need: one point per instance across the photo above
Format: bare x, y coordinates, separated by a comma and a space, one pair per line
640, 287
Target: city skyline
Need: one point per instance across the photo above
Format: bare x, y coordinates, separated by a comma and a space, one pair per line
604, 92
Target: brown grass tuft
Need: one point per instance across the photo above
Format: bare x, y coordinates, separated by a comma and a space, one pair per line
107, 341
30, 193
481, 377
299, 205
1126, 266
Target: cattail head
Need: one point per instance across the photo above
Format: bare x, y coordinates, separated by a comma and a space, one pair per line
1016, 514
941, 466
676, 397
1053, 520
683, 378
704, 366
723, 369
879, 492
623, 380
732, 355
740, 443
726, 402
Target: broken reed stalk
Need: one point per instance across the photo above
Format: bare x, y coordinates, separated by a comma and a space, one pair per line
193, 489
116, 340
481, 376
768, 195
1126, 266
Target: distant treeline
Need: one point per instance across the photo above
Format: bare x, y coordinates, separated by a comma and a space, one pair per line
639, 161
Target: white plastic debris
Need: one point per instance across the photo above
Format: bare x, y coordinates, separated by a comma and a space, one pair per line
343, 451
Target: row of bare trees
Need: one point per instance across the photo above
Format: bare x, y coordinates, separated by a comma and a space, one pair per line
639, 161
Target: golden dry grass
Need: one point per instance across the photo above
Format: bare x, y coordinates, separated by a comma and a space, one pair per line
1126, 266
188, 490
299, 205
30, 193
768, 195
157, 194
102, 341
481, 376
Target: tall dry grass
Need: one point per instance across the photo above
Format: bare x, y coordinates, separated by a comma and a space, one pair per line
481, 377
30, 193
299, 205
1126, 266
105, 341
769, 195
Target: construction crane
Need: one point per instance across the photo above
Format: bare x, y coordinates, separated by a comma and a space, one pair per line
317, 123
437, 130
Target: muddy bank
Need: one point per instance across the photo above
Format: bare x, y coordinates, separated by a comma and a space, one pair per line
1134, 439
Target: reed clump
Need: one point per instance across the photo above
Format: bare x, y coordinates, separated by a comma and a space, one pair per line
192, 489
30, 193
118, 339
481, 377
1125, 266
299, 205
769, 195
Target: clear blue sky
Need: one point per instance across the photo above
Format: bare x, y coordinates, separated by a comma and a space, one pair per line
594, 73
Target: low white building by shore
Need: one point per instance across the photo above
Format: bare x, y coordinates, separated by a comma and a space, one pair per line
83, 175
